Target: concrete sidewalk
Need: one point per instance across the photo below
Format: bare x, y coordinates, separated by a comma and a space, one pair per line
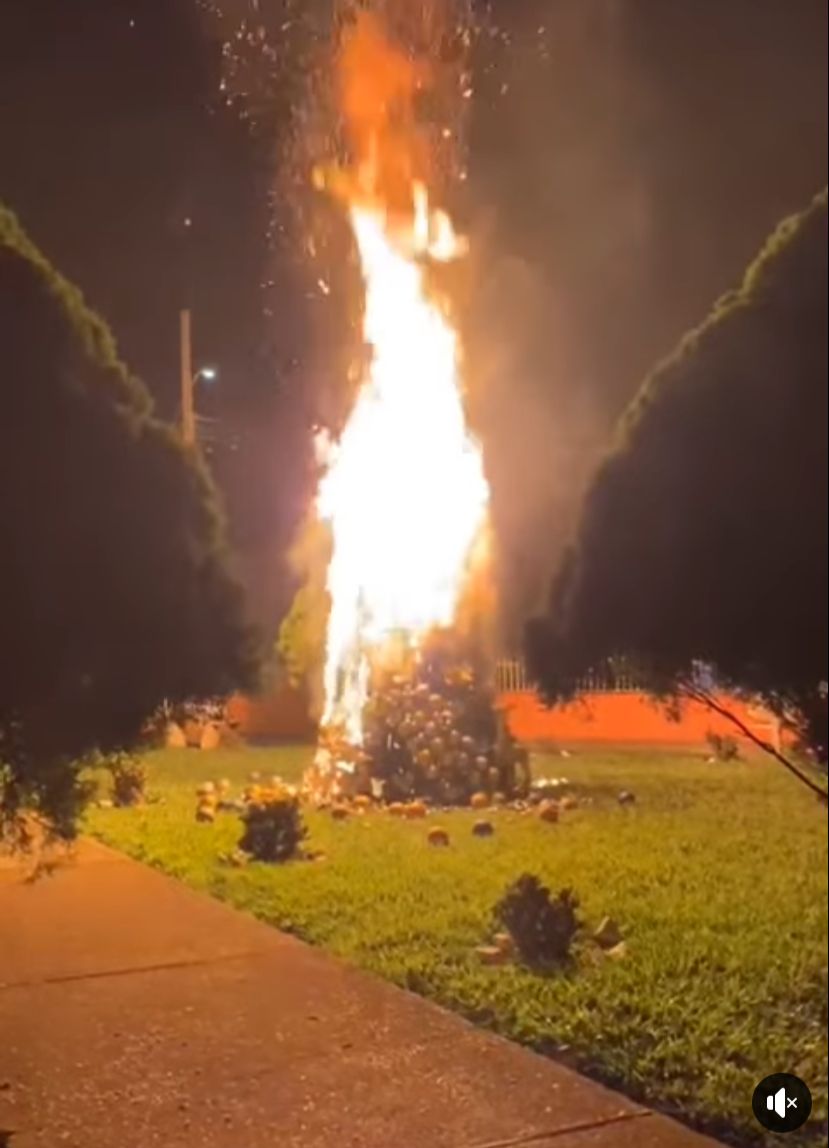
134, 1012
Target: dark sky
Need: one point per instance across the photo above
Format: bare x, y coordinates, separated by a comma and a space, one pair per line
146, 189
627, 158
122, 162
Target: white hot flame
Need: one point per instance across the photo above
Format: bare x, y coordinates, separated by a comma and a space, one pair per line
404, 491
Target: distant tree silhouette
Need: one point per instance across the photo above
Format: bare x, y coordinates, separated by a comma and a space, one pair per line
704, 533
114, 585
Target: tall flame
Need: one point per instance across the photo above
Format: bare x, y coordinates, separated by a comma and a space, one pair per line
403, 491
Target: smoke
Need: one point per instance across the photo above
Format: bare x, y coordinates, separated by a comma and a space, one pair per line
556, 214
539, 427
627, 158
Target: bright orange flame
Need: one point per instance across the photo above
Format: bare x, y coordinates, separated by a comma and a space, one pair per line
377, 89
403, 492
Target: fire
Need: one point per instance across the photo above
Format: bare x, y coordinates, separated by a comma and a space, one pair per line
404, 493
403, 490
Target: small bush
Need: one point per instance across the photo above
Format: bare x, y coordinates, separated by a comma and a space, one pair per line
129, 778
273, 830
542, 927
723, 747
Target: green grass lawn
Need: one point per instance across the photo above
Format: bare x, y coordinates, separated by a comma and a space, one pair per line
717, 877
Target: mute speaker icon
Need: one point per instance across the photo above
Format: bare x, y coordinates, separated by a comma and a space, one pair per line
779, 1102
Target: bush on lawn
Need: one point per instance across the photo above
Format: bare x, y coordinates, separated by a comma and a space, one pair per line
274, 829
723, 747
542, 927
129, 778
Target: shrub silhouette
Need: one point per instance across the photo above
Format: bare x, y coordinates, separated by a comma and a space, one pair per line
542, 927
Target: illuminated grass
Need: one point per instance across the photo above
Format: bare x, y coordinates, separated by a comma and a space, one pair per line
717, 878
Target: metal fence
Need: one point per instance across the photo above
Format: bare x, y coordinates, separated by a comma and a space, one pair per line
511, 677
616, 676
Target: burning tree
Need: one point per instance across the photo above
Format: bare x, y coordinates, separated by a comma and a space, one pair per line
403, 491
429, 728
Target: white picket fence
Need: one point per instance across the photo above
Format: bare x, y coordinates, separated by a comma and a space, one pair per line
616, 677
511, 677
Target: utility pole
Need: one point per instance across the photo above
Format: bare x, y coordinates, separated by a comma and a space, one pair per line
188, 417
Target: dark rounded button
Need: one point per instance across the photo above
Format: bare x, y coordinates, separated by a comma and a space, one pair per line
781, 1102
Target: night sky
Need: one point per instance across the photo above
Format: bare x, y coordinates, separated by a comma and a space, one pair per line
623, 161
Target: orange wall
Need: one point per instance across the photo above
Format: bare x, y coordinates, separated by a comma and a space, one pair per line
620, 718
627, 718
280, 716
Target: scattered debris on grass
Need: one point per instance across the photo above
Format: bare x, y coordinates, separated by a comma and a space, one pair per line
608, 934
548, 811
504, 942
491, 955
